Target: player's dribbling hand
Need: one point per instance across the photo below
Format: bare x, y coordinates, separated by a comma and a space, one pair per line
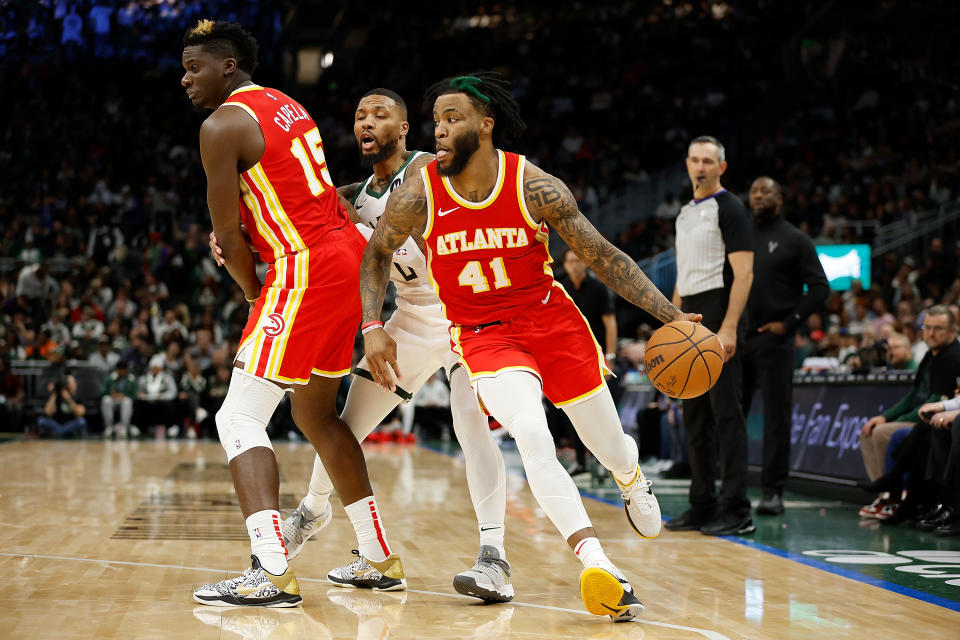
216, 250
381, 353
691, 317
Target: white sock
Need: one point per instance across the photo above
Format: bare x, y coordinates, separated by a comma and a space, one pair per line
266, 541
318, 497
491, 533
591, 553
371, 537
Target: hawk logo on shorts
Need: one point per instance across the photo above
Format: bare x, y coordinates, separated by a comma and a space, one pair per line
274, 325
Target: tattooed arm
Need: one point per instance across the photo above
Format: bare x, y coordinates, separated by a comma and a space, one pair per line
405, 214
547, 198
348, 191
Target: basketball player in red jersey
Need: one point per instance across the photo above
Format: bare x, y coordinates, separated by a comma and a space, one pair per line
483, 214
265, 166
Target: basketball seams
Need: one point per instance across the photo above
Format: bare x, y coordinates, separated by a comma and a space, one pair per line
694, 342
669, 364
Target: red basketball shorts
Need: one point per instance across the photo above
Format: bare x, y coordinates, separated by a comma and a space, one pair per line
552, 341
306, 318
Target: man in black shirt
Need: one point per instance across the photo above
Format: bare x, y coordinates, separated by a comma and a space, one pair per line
784, 260
593, 299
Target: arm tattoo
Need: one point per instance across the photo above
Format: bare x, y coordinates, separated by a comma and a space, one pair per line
549, 199
348, 191
406, 213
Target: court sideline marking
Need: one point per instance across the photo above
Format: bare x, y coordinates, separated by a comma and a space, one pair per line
789, 555
706, 633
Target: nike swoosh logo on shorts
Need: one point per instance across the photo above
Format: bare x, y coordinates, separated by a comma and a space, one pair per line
442, 213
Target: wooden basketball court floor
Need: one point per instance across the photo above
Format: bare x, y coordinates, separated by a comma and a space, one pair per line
108, 539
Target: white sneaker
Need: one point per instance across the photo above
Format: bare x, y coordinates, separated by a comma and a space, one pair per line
488, 579
641, 506
296, 529
367, 574
107, 432
173, 431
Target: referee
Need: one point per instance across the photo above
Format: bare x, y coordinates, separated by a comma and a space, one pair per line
785, 260
714, 274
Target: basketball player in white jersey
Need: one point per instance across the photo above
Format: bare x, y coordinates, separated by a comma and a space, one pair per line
422, 335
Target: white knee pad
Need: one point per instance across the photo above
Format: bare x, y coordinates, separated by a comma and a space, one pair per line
243, 416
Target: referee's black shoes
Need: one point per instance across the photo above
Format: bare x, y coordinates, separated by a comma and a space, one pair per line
770, 505
691, 520
729, 524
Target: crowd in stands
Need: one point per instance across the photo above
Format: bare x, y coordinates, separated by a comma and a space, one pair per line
103, 256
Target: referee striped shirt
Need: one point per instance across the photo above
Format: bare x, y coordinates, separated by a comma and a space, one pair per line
707, 230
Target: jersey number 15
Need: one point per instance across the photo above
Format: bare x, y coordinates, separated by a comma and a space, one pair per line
315, 145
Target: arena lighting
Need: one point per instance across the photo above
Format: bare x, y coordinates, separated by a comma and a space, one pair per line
310, 64
327, 61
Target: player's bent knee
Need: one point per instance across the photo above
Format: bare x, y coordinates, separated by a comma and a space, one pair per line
243, 417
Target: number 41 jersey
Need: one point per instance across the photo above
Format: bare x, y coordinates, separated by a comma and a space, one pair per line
488, 260
288, 201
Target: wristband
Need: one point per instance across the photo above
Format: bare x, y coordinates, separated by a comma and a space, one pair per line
250, 300
370, 326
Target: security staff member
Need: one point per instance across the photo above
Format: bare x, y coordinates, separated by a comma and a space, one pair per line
714, 273
784, 260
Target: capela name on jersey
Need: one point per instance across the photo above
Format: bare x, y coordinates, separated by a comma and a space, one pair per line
489, 238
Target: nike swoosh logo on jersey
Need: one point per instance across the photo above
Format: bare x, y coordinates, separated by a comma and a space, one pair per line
442, 213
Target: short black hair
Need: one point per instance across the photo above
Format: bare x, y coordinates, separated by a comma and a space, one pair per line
490, 94
228, 39
393, 95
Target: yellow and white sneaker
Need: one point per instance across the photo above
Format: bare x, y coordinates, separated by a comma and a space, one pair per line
367, 574
256, 587
641, 506
605, 594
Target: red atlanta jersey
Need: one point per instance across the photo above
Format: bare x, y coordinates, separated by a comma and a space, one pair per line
288, 201
488, 260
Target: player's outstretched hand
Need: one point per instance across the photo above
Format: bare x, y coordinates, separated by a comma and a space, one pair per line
216, 250
381, 353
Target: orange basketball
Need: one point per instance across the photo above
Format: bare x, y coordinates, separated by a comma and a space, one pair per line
683, 359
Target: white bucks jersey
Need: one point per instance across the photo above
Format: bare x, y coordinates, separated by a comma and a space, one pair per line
409, 269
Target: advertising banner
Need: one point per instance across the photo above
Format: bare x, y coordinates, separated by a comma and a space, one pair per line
824, 438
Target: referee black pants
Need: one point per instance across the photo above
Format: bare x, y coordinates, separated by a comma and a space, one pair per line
715, 426
768, 362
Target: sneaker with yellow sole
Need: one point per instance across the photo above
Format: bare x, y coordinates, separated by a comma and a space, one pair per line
641, 506
605, 594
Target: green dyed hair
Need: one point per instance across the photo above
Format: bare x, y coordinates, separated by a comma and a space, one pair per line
490, 94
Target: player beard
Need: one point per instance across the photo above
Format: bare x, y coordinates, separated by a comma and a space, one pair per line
464, 146
367, 160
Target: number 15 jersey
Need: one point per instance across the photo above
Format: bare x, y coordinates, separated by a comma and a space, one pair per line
288, 201
488, 260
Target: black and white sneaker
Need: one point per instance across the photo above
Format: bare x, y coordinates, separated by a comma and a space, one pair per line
367, 574
255, 587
